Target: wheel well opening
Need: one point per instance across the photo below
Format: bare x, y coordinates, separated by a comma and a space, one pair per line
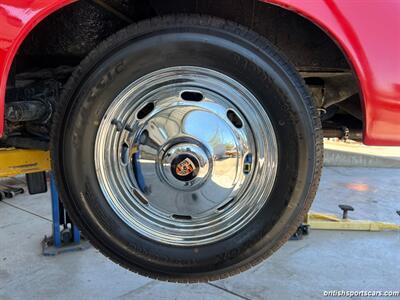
57, 45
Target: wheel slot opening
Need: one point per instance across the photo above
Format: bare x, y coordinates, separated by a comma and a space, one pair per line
221, 208
145, 111
125, 154
248, 161
234, 118
140, 197
192, 96
182, 217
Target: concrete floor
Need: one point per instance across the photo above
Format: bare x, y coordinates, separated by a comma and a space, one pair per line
354, 154
325, 260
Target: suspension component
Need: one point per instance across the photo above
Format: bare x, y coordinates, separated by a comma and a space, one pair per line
26, 111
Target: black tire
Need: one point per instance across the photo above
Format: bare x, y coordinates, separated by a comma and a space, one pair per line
220, 45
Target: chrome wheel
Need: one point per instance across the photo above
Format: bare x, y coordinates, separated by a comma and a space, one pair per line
186, 156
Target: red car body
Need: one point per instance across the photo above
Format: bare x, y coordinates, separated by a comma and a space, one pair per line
368, 32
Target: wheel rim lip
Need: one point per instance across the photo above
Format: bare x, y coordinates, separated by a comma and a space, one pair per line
185, 233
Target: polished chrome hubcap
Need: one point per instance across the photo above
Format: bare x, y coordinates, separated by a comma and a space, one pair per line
186, 156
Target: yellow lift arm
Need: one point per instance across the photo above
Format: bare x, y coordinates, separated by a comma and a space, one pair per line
332, 222
14, 162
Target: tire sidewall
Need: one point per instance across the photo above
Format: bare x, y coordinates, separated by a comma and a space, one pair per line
140, 51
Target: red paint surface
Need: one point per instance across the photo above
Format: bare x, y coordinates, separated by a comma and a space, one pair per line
17, 19
368, 31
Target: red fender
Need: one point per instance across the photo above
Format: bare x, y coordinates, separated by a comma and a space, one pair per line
17, 19
368, 32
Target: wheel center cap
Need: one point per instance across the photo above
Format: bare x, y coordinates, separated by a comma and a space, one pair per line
185, 166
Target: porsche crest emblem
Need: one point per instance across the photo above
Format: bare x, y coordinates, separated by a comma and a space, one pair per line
185, 167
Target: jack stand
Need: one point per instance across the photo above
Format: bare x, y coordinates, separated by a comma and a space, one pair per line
66, 236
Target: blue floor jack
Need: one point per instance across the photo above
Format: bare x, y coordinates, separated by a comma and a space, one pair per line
66, 236
35, 164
